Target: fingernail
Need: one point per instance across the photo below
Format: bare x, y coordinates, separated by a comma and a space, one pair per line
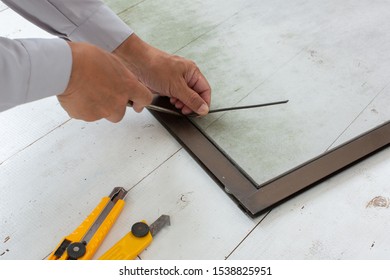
203, 110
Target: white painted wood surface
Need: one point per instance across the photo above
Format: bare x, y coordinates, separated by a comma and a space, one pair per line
54, 171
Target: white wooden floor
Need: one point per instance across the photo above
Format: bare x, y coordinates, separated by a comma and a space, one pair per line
54, 171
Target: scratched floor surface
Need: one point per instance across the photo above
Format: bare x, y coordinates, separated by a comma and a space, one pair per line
54, 170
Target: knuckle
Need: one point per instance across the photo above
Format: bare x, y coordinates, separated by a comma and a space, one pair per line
122, 100
115, 119
88, 117
149, 98
104, 112
193, 98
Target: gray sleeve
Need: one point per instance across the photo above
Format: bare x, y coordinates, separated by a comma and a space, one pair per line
87, 20
32, 69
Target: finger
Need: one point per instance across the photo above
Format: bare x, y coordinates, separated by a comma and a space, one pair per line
186, 111
117, 115
140, 97
192, 99
179, 105
137, 108
199, 84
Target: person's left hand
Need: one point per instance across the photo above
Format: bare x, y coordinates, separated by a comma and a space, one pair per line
169, 75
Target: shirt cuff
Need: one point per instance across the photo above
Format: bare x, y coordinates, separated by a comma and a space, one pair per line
50, 67
104, 29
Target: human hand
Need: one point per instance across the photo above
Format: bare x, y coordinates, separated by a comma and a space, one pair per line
169, 75
100, 86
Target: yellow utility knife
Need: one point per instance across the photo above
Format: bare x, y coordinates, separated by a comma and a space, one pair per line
135, 241
82, 243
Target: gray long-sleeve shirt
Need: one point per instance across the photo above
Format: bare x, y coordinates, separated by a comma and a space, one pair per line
31, 69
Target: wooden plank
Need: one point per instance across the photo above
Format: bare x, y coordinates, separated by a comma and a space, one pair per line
205, 222
66, 172
346, 217
50, 187
15, 26
3, 6
23, 125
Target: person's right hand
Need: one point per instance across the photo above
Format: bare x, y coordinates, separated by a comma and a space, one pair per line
168, 75
100, 86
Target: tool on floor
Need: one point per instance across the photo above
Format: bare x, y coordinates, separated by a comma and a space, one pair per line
177, 113
135, 241
83, 242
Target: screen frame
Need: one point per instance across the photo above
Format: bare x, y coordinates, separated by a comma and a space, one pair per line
255, 198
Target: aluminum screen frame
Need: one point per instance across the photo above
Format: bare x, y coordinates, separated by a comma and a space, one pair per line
255, 199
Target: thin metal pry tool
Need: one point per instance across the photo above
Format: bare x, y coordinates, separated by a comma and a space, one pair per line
158, 109
176, 113
242, 107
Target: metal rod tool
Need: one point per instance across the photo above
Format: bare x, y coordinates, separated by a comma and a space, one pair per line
177, 113
241, 107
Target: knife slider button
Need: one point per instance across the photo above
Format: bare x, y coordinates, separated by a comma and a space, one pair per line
140, 229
